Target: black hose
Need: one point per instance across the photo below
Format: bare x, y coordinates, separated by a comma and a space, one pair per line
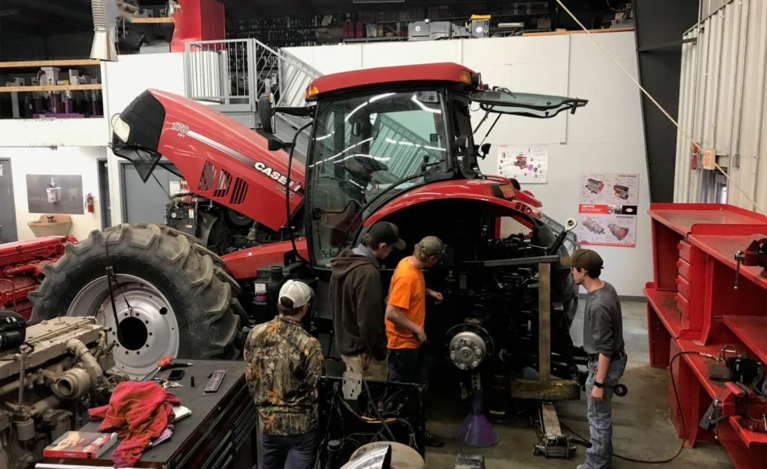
378, 412
681, 416
287, 193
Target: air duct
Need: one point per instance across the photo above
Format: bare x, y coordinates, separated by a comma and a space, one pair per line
103, 31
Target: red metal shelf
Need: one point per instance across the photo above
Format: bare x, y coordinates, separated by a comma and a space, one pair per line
723, 249
664, 304
748, 437
700, 365
752, 330
682, 217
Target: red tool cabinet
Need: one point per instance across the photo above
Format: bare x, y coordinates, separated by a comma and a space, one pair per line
692, 305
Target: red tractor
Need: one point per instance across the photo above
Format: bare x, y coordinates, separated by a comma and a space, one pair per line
392, 144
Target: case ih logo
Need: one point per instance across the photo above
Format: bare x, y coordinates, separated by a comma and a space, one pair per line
295, 186
182, 129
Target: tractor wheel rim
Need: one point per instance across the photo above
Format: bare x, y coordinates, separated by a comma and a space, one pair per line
149, 327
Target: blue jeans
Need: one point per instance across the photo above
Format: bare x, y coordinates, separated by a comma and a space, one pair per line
299, 450
601, 415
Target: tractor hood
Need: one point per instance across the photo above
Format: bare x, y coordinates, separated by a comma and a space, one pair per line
221, 159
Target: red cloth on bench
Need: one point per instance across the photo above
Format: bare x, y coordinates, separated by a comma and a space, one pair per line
139, 411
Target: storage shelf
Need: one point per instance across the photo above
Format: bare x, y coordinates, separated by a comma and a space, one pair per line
682, 217
752, 330
50, 63
664, 304
723, 249
700, 365
29, 89
580, 31
748, 437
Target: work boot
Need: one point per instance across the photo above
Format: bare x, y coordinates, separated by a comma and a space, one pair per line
430, 439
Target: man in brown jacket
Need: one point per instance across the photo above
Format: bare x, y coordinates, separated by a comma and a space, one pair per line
357, 299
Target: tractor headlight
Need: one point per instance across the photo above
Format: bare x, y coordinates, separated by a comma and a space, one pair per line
120, 128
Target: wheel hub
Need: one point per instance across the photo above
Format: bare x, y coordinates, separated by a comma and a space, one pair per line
467, 350
148, 329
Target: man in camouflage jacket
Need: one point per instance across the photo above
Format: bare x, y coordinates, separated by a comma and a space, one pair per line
283, 365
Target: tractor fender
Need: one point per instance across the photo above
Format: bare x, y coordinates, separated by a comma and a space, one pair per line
506, 203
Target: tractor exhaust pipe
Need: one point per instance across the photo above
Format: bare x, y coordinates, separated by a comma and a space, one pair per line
103, 47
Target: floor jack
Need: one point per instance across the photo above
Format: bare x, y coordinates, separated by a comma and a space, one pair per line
552, 442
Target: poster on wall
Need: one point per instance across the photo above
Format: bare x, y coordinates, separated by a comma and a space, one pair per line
608, 209
528, 164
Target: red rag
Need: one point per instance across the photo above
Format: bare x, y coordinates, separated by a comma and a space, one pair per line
139, 411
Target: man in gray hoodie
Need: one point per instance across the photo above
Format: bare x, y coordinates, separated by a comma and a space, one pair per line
357, 299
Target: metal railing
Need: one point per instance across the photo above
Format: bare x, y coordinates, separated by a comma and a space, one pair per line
221, 73
232, 74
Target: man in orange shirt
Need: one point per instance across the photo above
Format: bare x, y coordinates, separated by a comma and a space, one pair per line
406, 315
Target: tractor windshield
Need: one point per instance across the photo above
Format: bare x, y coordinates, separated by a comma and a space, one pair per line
362, 146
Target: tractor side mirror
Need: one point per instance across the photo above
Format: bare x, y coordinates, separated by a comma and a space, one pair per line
266, 113
484, 150
461, 142
277, 144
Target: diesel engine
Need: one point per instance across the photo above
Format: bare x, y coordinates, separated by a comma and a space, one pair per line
50, 374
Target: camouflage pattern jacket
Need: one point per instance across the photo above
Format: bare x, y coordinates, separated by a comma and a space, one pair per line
283, 365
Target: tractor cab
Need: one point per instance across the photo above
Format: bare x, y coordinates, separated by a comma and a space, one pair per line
379, 134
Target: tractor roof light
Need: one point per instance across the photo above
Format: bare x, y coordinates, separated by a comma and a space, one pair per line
465, 77
311, 93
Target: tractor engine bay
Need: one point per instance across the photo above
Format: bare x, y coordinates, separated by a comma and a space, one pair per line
486, 328
221, 229
48, 381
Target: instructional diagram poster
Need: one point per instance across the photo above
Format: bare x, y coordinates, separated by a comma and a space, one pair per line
528, 164
608, 209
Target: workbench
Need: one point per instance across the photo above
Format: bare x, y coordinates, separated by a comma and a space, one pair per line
693, 306
221, 432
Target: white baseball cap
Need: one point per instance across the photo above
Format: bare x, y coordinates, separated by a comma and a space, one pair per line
298, 292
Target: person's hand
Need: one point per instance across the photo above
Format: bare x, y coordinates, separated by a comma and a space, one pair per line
436, 295
597, 394
421, 336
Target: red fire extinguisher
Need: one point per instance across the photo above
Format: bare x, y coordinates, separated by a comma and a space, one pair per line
89, 202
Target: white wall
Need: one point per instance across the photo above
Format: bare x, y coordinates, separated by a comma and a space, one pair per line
53, 132
61, 161
605, 136
72, 146
123, 81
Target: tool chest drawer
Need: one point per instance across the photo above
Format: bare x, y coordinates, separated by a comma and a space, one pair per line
685, 288
685, 269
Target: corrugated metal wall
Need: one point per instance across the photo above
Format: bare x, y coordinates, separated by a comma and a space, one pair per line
722, 105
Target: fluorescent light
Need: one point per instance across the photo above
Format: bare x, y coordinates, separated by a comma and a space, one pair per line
355, 110
317, 139
380, 96
423, 106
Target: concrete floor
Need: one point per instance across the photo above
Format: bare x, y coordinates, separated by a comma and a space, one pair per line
642, 428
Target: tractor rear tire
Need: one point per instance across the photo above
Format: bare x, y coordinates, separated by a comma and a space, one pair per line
174, 292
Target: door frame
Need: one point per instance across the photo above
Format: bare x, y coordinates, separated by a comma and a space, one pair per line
104, 195
15, 226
